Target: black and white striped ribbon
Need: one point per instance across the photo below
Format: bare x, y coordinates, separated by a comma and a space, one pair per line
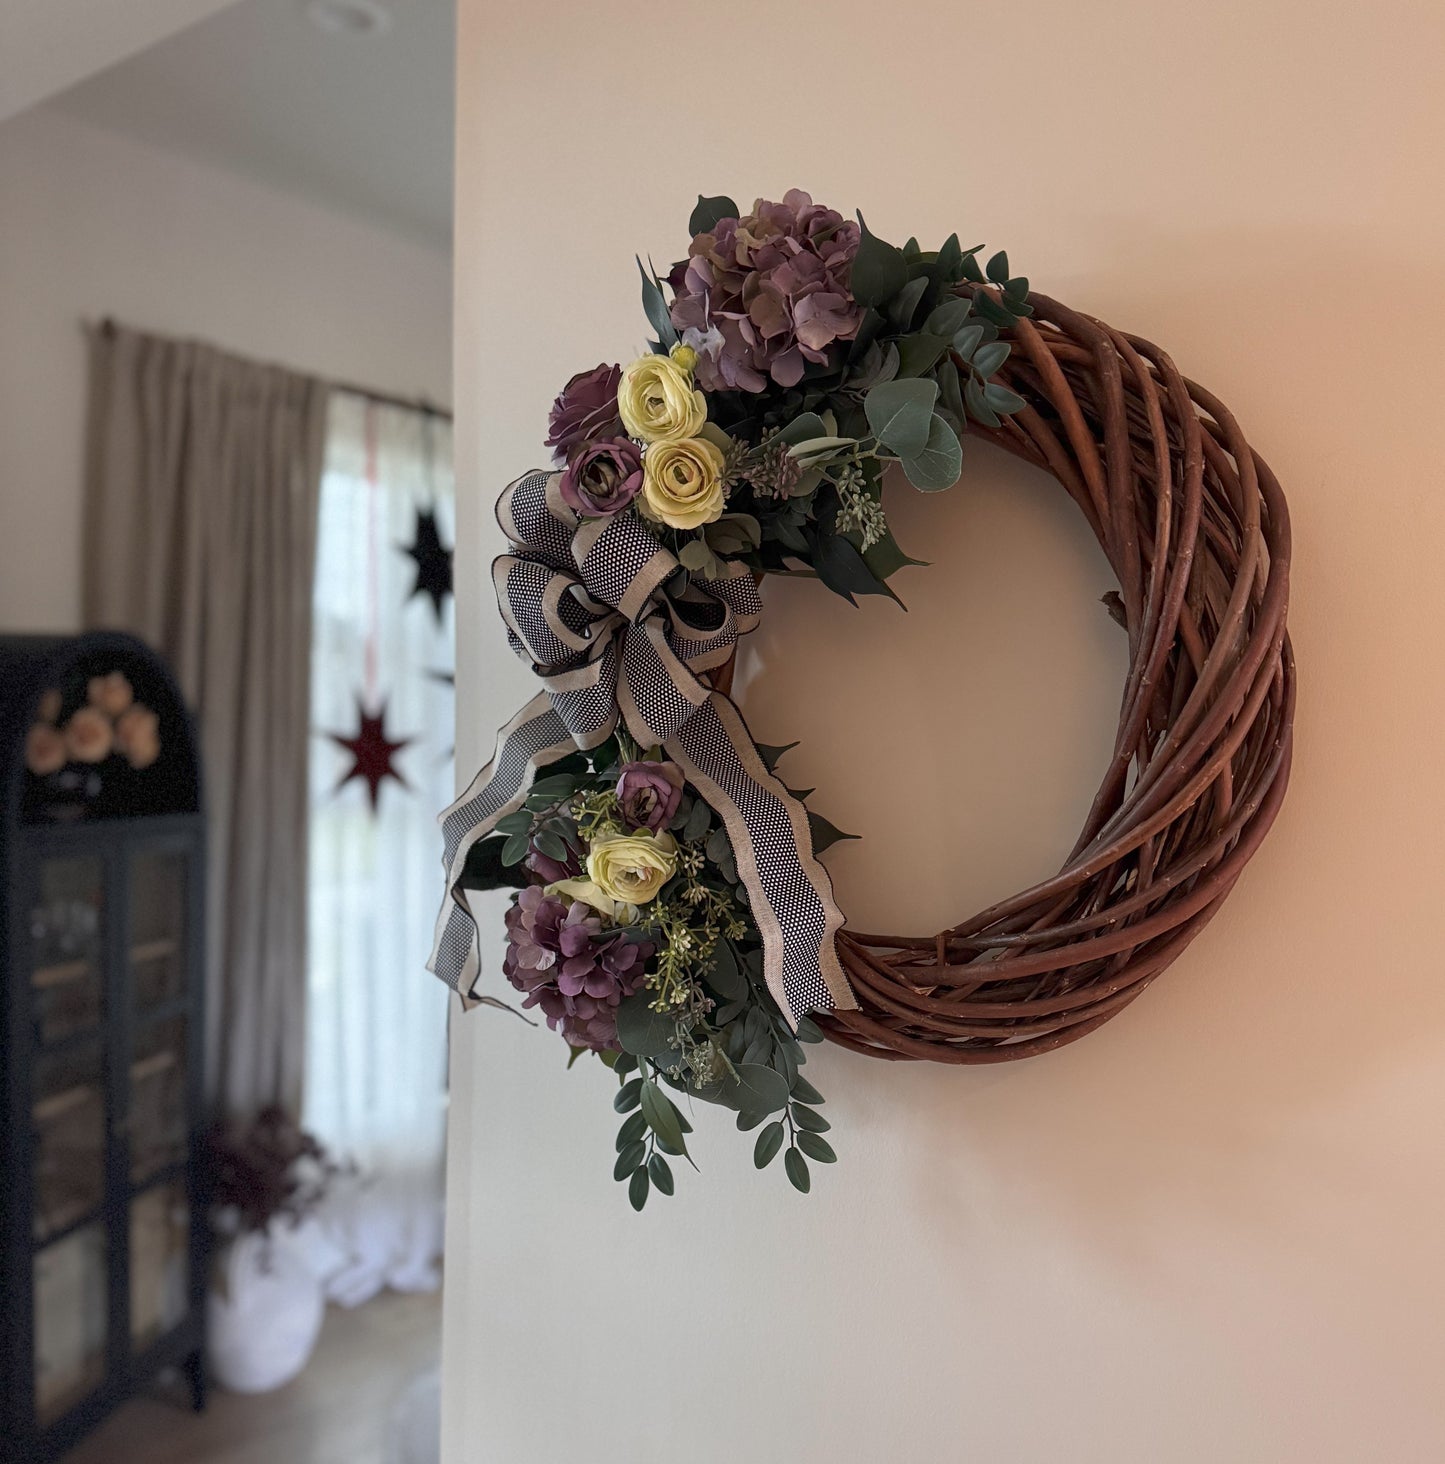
616, 632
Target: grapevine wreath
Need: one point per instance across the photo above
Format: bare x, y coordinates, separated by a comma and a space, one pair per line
670, 914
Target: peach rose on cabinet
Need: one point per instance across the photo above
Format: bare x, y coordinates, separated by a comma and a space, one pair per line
89, 736
138, 736
112, 693
44, 750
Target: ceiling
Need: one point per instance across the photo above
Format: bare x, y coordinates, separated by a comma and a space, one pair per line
361, 122
49, 44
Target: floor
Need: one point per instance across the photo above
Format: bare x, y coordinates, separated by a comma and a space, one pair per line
339, 1411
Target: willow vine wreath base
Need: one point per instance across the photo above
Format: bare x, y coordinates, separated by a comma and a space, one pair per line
670, 913
1202, 755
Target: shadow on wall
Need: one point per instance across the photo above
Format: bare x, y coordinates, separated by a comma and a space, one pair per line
974, 733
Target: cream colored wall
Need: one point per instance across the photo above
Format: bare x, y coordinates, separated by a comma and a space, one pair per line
92, 224
1211, 1231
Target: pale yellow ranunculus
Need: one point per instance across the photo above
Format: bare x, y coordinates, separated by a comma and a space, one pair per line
658, 401
632, 868
682, 483
617, 911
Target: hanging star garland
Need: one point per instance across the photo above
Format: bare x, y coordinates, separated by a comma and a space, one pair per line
372, 752
433, 561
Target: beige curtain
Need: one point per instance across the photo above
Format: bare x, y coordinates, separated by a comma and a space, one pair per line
203, 472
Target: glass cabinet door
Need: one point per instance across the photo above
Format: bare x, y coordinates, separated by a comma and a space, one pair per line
68, 1130
157, 1124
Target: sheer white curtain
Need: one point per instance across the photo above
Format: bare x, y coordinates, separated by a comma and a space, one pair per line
376, 1021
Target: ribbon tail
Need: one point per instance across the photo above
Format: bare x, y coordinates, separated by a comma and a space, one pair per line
535, 737
790, 892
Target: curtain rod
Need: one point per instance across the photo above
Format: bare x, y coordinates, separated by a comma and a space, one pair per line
381, 398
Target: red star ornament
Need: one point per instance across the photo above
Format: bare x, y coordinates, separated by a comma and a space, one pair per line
372, 753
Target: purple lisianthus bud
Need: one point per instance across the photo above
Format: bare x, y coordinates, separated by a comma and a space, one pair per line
649, 793
603, 478
585, 412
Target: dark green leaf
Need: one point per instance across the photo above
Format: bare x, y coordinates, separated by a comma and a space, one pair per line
628, 1159
635, 1127
519, 822
757, 1089
808, 1031
817, 1148
905, 302
803, 1090
971, 271
950, 258
843, 569
642, 1031
554, 788
768, 1144
637, 1190
1017, 289
941, 461
997, 268
807, 1119
514, 851
623, 1063
797, 1168
803, 428
917, 353
552, 845
708, 211
759, 1050
661, 1172
748, 1121
655, 308
879, 269
484, 869
885, 557
772, 755
991, 310
825, 835
629, 1095
899, 413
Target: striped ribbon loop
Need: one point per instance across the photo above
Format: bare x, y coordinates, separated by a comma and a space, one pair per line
617, 632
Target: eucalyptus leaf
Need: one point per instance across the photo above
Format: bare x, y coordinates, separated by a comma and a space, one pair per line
899, 413
726, 979
628, 1160
642, 1031
987, 359
949, 317
905, 302
768, 1144
977, 403
804, 426
997, 268
1002, 400
968, 338
941, 461
698, 821
637, 1190
661, 1116
818, 1148
793, 1162
661, 1172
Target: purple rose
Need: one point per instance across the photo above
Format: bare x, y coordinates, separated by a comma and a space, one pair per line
649, 793
603, 479
585, 412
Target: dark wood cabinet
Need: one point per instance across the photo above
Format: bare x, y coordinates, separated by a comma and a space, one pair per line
102, 1251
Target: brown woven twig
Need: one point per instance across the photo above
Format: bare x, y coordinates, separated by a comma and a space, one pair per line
1195, 527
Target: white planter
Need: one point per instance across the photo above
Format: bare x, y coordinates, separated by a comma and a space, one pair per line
264, 1312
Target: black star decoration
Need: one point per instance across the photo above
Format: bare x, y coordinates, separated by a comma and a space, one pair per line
433, 561
372, 753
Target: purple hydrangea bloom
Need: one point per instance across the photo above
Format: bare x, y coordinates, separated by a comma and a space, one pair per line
760, 297
563, 961
585, 412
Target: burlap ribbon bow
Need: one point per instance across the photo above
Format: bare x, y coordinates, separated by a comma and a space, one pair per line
617, 631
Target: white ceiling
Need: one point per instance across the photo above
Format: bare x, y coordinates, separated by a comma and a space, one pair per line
49, 44
359, 122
